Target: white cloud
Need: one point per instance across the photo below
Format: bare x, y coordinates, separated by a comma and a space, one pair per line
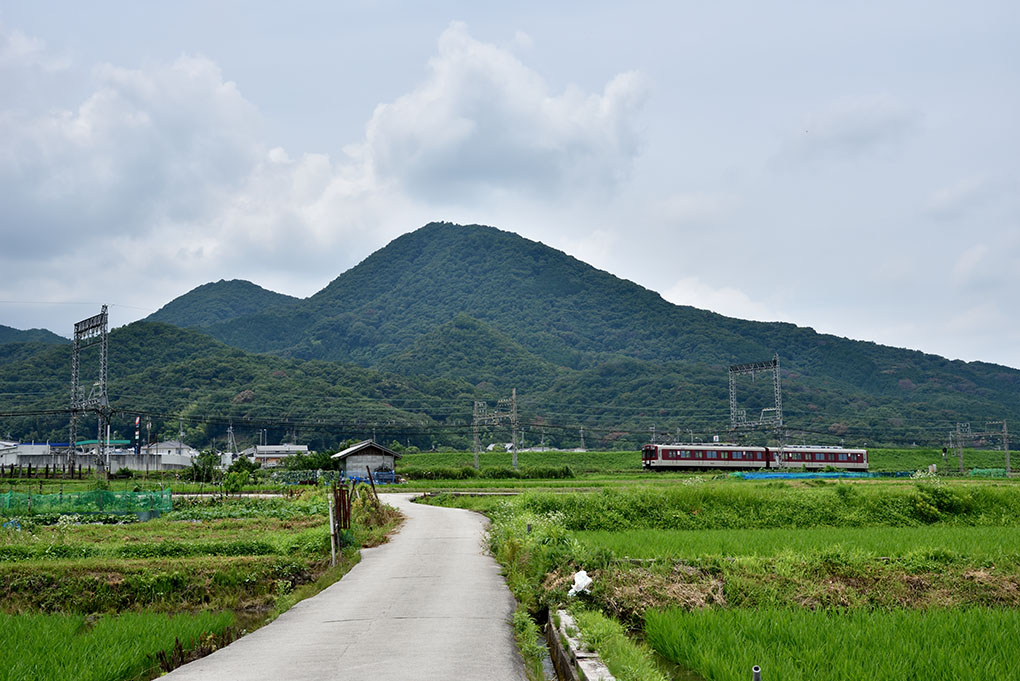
853, 127
483, 121
726, 300
959, 199
693, 208
18, 50
161, 172
968, 264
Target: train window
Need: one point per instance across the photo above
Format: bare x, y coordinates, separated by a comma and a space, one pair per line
738, 455
711, 454
684, 454
843, 457
819, 457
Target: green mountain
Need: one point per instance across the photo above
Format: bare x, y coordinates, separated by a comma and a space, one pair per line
217, 302
11, 335
406, 341
567, 313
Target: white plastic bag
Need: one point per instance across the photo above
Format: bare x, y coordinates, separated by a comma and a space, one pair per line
582, 582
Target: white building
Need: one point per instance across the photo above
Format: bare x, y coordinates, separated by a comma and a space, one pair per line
270, 456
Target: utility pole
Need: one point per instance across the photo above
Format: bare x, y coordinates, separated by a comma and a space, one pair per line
479, 415
514, 427
231, 443
582, 437
148, 445
962, 431
653, 434
1005, 445
1005, 440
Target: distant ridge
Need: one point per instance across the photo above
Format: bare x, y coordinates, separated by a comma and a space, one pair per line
11, 335
217, 302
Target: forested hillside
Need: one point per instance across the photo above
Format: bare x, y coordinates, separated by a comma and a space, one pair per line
402, 345
570, 315
169, 372
12, 335
217, 302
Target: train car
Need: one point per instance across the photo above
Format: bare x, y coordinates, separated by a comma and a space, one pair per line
817, 458
717, 456
704, 456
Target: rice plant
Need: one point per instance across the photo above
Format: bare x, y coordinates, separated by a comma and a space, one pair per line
36, 647
978, 543
806, 645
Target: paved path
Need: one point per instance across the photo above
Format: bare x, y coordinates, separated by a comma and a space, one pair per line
429, 604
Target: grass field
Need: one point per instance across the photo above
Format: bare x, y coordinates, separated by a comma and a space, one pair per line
793, 645
978, 543
903, 459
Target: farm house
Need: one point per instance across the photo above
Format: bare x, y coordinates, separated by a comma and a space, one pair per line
357, 459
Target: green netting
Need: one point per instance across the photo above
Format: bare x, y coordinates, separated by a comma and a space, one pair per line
87, 502
988, 472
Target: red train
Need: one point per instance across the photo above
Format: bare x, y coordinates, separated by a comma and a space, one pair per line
707, 456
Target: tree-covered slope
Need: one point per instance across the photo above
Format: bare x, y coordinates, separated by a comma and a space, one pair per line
217, 302
11, 335
164, 370
568, 313
468, 312
478, 354
426, 394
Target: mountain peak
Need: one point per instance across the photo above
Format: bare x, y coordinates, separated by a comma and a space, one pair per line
217, 302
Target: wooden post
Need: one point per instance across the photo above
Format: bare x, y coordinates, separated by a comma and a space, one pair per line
332, 529
372, 482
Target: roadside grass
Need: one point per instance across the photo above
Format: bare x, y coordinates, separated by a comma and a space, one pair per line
883, 645
42, 647
626, 659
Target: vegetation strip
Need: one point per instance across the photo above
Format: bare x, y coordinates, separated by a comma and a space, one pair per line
248, 559
974, 644
771, 560
41, 647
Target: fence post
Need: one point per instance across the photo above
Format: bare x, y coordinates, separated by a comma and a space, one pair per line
332, 530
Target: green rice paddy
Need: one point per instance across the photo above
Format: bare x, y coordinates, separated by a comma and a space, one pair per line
818, 645
979, 543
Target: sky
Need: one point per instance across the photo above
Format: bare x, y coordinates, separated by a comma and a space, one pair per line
852, 167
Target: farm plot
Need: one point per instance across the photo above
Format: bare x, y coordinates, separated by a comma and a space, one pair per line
978, 543
743, 561
796, 645
199, 575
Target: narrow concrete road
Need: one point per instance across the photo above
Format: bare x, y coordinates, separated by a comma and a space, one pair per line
429, 604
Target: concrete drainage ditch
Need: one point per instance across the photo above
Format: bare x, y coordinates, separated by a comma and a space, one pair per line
573, 662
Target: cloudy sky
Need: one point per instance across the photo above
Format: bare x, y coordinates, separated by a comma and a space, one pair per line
853, 167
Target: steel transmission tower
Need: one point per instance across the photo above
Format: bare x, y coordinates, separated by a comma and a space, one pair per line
89, 332
770, 417
505, 409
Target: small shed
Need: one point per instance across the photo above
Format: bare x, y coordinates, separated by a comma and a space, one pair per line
366, 455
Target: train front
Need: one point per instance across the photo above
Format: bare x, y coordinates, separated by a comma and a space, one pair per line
649, 454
